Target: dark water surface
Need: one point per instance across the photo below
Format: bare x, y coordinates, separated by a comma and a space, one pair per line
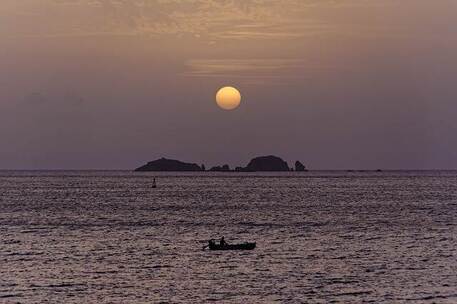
322, 237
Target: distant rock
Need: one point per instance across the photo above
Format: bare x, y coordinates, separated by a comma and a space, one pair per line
266, 163
300, 167
224, 168
164, 164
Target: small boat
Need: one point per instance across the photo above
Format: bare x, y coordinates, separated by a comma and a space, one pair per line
243, 246
154, 185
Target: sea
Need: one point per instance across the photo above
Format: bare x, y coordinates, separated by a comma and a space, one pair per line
322, 237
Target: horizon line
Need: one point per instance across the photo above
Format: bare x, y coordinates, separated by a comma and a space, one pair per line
233, 171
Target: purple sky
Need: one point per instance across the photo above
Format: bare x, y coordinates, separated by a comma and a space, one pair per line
348, 84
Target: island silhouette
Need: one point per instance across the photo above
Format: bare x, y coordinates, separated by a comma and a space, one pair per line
269, 163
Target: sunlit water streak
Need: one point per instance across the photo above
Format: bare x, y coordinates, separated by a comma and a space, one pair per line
108, 237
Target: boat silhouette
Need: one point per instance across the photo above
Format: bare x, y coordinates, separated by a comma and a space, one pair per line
242, 246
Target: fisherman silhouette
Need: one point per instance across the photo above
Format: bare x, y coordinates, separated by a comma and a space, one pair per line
222, 241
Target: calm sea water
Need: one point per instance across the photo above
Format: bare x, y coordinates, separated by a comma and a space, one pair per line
322, 237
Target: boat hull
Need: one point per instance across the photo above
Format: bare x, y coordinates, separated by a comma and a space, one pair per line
244, 246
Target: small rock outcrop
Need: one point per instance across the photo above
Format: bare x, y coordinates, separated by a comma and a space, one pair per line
299, 167
266, 163
164, 164
224, 168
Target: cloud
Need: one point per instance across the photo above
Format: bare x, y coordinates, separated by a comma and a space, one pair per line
252, 71
213, 19
247, 19
214, 67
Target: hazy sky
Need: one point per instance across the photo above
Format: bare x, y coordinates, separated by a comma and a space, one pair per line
344, 84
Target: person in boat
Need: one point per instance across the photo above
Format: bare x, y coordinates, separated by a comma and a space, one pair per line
222, 242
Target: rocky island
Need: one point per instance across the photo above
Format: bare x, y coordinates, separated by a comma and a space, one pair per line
224, 168
164, 164
300, 167
265, 164
268, 163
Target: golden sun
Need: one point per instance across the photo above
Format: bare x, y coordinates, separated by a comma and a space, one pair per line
228, 98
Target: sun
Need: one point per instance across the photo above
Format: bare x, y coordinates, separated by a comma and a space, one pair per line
228, 98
